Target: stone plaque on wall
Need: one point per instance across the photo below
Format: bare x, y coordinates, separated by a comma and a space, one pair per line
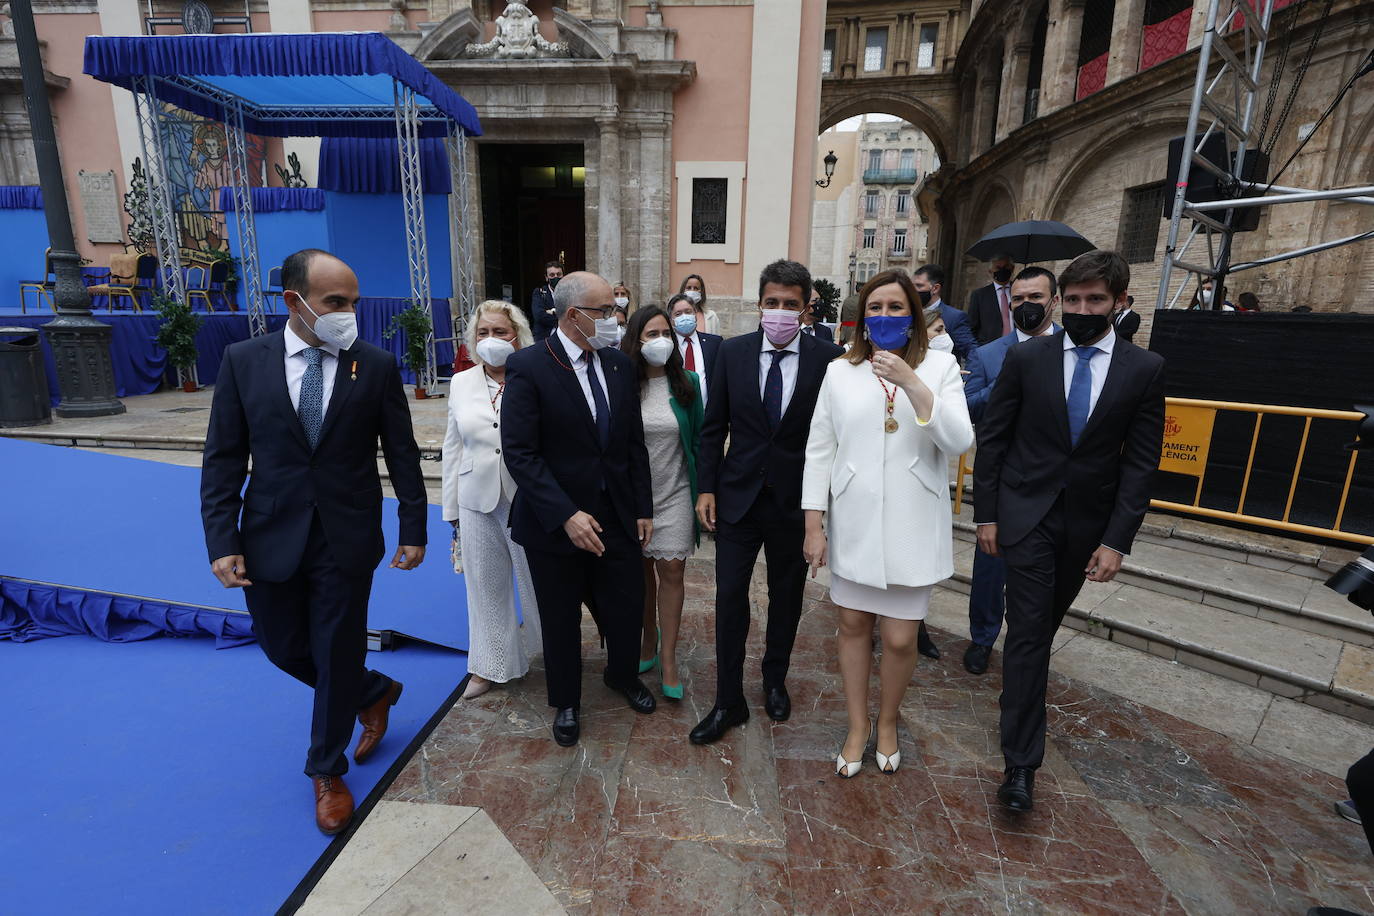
100, 203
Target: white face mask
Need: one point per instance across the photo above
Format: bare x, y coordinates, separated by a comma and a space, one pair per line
1205, 297
619, 334
694, 295
943, 342
622, 301
657, 351
606, 333
337, 328
494, 351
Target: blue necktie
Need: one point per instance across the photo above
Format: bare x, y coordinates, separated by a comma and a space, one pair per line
603, 411
772, 388
1080, 392
311, 405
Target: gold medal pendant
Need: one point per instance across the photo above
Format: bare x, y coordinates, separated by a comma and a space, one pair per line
890, 426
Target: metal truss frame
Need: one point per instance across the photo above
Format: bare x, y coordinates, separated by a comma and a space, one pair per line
250, 269
153, 140
461, 234
412, 196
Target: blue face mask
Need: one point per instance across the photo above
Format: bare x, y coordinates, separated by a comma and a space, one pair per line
685, 324
888, 332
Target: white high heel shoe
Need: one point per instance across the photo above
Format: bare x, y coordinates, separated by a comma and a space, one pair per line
847, 769
886, 764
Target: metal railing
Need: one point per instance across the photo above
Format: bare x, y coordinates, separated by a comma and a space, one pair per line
890, 176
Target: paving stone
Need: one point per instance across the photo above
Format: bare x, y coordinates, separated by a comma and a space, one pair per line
1232, 578
1320, 739
1355, 674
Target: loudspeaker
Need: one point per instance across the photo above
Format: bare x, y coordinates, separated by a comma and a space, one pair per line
1203, 185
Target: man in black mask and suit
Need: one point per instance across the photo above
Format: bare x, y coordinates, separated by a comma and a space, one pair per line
1067, 448
989, 308
542, 317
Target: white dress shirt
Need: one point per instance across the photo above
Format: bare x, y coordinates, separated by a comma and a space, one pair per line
1099, 364
296, 366
575, 356
788, 364
1051, 328
698, 358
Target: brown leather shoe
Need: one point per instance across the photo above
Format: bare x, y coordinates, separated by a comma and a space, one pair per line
333, 804
374, 720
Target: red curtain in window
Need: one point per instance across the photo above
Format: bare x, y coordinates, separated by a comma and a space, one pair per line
1238, 20
1165, 39
1092, 76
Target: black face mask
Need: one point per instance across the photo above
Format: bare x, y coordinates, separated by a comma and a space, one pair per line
1083, 329
553, 282
924, 296
1002, 274
1028, 315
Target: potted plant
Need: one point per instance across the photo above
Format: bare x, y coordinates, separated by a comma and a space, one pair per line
176, 333
417, 325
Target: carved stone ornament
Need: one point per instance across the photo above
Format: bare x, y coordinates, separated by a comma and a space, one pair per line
6, 27
517, 37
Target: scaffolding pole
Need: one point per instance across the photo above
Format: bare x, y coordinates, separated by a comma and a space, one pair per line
412, 195
461, 233
245, 220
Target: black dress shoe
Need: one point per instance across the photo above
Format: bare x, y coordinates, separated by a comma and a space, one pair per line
924, 644
719, 720
565, 727
778, 703
976, 658
1018, 789
634, 692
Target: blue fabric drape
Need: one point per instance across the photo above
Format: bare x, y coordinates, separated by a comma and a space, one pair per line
276, 200
21, 197
371, 165
30, 611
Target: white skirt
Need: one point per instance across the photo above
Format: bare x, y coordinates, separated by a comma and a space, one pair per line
901, 602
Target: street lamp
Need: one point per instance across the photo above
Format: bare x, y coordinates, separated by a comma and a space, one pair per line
853, 262
830, 160
80, 344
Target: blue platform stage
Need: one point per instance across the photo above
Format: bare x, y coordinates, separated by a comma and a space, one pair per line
154, 775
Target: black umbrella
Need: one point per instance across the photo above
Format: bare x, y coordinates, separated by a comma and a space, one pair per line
1031, 240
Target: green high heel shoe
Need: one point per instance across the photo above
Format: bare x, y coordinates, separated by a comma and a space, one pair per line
672, 691
645, 667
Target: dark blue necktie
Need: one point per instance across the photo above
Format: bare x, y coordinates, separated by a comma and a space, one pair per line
311, 402
1080, 392
603, 411
772, 388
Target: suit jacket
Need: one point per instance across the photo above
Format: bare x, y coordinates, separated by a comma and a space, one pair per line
956, 325
758, 456
541, 322
1025, 458
553, 453
252, 416
983, 365
985, 314
1126, 324
710, 349
474, 474
823, 332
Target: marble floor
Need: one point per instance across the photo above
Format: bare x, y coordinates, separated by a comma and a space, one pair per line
1137, 810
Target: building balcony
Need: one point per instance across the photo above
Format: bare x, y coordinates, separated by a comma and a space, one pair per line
890, 176
903, 255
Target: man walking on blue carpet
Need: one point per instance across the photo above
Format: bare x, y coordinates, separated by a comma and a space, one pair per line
308, 405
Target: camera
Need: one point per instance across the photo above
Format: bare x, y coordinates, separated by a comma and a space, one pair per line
1355, 580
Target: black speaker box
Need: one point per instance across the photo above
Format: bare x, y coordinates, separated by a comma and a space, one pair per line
1203, 185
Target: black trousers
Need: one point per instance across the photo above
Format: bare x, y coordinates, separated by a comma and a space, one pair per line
614, 582
779, 531
1044, 575
1360, 781
313, 626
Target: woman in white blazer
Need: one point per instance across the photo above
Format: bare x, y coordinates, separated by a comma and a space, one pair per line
477, 496
890, 416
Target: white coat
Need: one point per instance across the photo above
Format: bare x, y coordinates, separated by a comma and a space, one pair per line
475, 475
886, 494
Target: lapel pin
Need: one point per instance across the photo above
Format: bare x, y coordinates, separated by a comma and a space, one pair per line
353, 373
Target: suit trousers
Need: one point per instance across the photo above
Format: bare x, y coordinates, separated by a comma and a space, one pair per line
986, 601
313, 626
614, 582
779, 530
1360, 782
1044, 575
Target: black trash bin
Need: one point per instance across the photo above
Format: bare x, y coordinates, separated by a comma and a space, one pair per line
23, 381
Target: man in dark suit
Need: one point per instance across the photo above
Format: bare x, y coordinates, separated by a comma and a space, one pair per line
1127, 321
583, 509
697, 348
929, 281
813, 327
1067, 448
762, 395
308, 405
989, 308
542, 318
1033, 300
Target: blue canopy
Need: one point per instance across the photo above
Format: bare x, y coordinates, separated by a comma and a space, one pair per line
328, 84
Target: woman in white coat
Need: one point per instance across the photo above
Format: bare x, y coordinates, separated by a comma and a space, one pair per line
477, 497
890, 416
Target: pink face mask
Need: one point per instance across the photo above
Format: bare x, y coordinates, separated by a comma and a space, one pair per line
780, 325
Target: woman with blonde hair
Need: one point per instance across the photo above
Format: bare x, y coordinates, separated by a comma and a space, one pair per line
890, 416
477, 496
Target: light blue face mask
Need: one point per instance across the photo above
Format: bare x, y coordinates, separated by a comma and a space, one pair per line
685, 324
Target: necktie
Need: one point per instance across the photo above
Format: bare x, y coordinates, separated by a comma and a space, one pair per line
772, 388
1080, 392
1006, 309
691, 361
603, 410
310, 407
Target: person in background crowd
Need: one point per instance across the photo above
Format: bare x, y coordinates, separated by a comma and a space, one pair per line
764, 390
1033, 301
1067, 449
673, 415
1126, 321
698, 348
310, 535
989, 307
694, 288
889, 418
929, 281
622, 318
583, 509
477, 498
1204, 299
1247, 302
542, 317
620, 294
810, 325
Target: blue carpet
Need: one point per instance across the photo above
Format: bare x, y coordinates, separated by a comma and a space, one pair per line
164, 776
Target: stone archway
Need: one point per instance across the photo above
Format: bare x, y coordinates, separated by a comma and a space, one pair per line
927, 118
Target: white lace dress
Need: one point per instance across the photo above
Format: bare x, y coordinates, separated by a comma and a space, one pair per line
674, 532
